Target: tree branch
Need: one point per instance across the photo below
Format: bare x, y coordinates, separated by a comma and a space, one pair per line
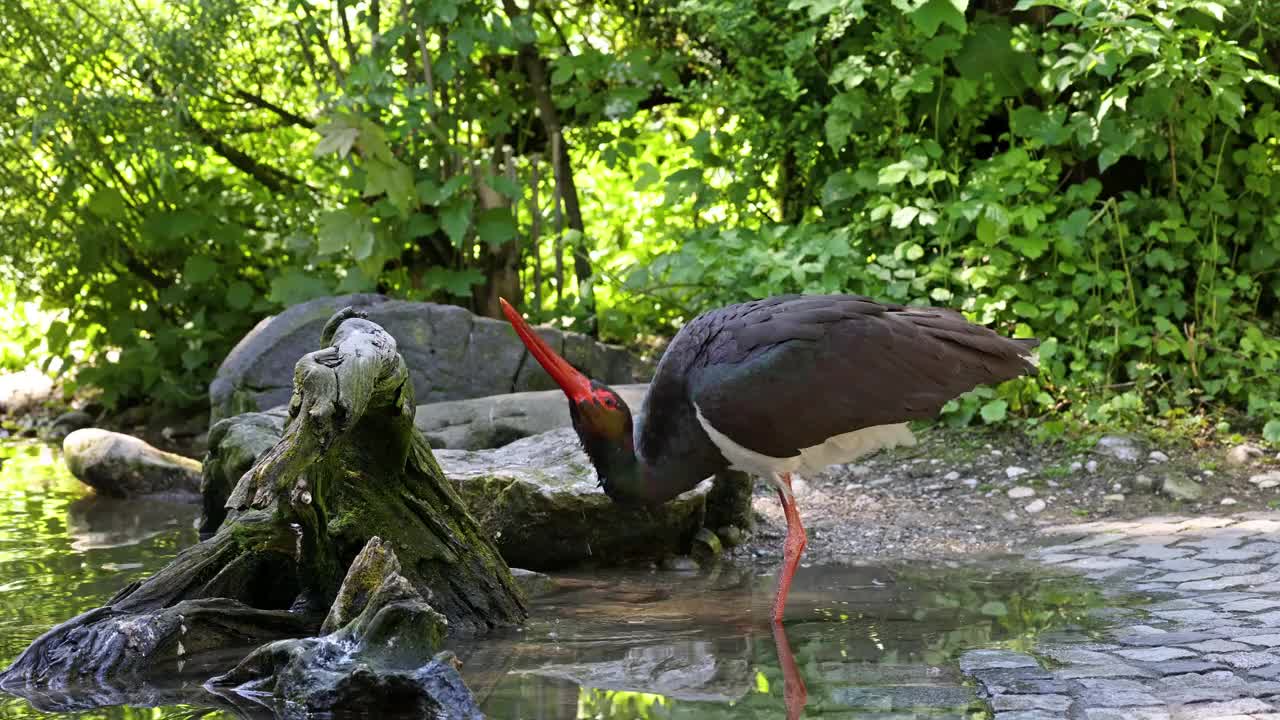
265, 104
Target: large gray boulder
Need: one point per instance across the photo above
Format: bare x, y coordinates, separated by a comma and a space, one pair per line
121, 465
491, 422
451, 354
538, 499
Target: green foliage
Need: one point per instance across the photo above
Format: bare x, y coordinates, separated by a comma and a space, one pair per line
1099, 175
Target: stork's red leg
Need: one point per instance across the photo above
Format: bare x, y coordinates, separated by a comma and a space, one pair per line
792, 547
796, 695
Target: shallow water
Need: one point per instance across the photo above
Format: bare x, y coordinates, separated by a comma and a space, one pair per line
860, 641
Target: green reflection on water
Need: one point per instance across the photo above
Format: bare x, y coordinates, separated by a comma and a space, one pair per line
868, 641
64, 550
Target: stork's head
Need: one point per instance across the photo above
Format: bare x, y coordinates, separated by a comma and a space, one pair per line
600, 417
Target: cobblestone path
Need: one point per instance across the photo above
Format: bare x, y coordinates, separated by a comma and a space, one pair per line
1208, 646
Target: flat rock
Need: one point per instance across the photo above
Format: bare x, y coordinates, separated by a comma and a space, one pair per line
1120, 447
1182, 488
490, 422
451, 354
123, 466
538, 497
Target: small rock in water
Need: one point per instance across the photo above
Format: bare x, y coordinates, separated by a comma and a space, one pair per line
1091, 466
1157, 456
731, 535
1182, 488
1035, 506
1228, 501
1120, 447
1115, 497
1266, 480
706, 547
679, 563
1021, 492
1243, 454
952, 476
1014, 471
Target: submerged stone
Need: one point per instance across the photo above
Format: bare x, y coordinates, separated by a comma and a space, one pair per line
123, 466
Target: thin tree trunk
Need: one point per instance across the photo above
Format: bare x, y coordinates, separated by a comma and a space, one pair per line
535, 232
535, 68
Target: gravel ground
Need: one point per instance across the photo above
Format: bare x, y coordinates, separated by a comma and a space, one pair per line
974, 491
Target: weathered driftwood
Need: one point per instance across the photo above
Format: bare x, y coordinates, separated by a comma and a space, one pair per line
378, 633
350, 466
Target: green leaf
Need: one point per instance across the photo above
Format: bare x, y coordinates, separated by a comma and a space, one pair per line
454, 282
294, 286
455, 218
338, 136
931, 15
989, 51
421, 225
342, 231
393, 178
199, 269
107, 204
993, 411
1271, 431
239, 295
505, 185
1031, 246
903, 217
839, 187
495, 226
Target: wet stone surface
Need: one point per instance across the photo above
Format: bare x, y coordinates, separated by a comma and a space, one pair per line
1205, 645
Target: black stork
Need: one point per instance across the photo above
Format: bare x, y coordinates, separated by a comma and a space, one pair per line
792, 383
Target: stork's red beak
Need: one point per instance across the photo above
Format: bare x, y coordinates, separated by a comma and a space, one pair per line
575, 384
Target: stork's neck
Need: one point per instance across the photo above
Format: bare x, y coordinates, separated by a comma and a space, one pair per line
638, 472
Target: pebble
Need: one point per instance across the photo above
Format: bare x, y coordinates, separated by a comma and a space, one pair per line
1115, 497
1157, 456
1120, 447
1035, 506
971, 482
1144, 482
1182, 488
952, 476
1243, 454
1266, 480
1076, 466
1091, 466
1228, 501
1021, 491
1014, 471
997, 453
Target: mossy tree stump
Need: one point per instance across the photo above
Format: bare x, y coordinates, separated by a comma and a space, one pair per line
350, 466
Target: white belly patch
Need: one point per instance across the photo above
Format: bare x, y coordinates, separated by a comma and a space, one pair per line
836, 450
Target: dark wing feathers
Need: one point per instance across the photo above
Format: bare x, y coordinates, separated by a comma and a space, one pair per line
786, 373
